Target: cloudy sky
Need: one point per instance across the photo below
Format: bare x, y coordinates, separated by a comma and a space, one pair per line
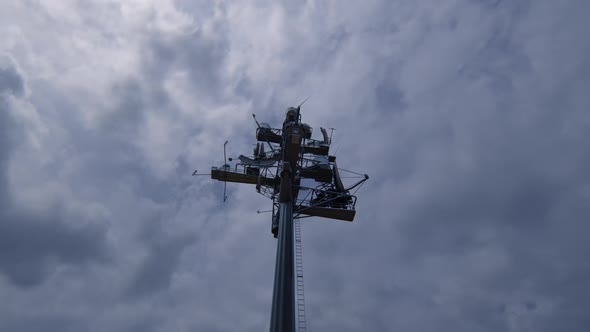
471, 117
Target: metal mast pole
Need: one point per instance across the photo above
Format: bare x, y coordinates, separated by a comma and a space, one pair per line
282, 317
283, 300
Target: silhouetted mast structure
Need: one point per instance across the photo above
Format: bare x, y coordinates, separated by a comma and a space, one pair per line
294, 156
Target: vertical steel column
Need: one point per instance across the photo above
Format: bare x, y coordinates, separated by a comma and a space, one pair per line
283, 300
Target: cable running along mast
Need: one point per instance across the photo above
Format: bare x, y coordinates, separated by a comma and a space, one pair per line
302, 180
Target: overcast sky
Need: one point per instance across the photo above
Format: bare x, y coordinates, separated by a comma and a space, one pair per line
472, 119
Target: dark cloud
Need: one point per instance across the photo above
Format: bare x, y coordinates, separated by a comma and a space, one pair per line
157, 269
31, 246
12, 84
11, 80
201, 56
33, 323
33, 243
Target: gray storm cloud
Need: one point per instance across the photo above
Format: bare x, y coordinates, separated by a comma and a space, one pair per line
32, 242
471, 117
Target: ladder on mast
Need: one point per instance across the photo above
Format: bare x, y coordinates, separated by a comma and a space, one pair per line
300, 298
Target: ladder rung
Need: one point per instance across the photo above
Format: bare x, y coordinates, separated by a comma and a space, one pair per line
301, 324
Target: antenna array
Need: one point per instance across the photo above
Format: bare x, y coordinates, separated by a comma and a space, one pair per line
277, 173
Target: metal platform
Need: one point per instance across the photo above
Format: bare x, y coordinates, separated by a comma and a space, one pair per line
326, 212
230, 176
